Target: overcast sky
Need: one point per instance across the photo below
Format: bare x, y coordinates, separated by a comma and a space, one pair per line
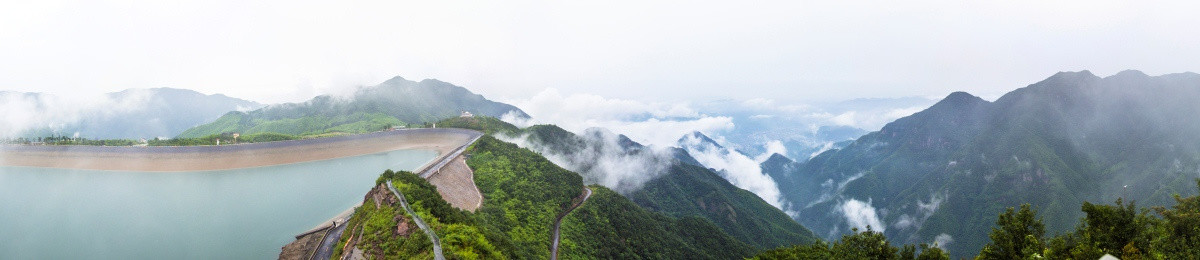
640, 50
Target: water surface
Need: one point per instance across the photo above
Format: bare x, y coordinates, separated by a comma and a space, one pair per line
229, 214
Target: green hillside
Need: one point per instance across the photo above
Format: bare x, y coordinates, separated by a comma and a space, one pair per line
1120, 229
685, 190
1056, 144
593, 231
393, 103
523, 193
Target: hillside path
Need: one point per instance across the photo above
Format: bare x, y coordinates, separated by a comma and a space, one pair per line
437, 243
587, 193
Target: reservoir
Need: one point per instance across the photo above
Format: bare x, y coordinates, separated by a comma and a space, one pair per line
247, 213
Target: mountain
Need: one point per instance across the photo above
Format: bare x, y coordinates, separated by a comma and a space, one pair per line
523, 193
944, 173
395, 102
669, 181
129, 114
805, 129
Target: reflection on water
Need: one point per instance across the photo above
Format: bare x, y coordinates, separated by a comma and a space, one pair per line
229, 214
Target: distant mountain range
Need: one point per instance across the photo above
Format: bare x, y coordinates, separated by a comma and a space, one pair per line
941, 174
395, 102
945, 172
129, 114
806, 129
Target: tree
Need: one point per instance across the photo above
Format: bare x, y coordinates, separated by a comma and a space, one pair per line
1182, 227
864, 245
860, 245
1114, 228
932, 253
1018, 235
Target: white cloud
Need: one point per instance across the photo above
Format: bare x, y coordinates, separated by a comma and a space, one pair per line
893, 114
20, 112
924, 210
846, 119
929, 208
604, 161
824, 147
759, 103
861, 214
904, 222
831, 191
650, 123
771, 147
820, 50
739, 169
512, 118
942, 240
870, 119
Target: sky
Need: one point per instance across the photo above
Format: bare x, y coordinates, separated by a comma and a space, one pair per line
660, 51
646, 69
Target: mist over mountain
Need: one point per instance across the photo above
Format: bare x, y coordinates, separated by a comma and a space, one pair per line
667, 180
733, 165
944, 172
803, 130
757, 127
129, 114
394, 103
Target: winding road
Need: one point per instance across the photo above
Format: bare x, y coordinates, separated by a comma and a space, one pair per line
329, 240
435, 167
437, 243
587, 193
325, 249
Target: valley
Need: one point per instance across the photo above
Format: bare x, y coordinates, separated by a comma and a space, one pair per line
788, 130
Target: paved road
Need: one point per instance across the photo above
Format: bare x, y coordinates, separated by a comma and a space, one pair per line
447, 159
554, 237
437, 243
325, 250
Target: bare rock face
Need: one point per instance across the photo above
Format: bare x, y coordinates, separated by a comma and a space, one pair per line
303, 245
404, 229
380, 195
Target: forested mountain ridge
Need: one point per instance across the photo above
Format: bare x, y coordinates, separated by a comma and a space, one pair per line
1071, 138
395, 102
684, 188
523, 193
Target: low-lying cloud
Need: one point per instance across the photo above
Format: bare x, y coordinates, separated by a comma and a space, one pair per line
771, 147
739, 169
657, 125
22, 112
650, 123
861, 214
924, 210
603, 160
831, 191
871, 120
943, 240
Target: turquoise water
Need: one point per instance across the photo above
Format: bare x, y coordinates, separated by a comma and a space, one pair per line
230, 214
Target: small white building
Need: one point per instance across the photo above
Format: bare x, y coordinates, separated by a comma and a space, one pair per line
466, 114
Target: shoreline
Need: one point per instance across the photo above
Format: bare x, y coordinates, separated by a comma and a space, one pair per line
237, 156
343, 217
